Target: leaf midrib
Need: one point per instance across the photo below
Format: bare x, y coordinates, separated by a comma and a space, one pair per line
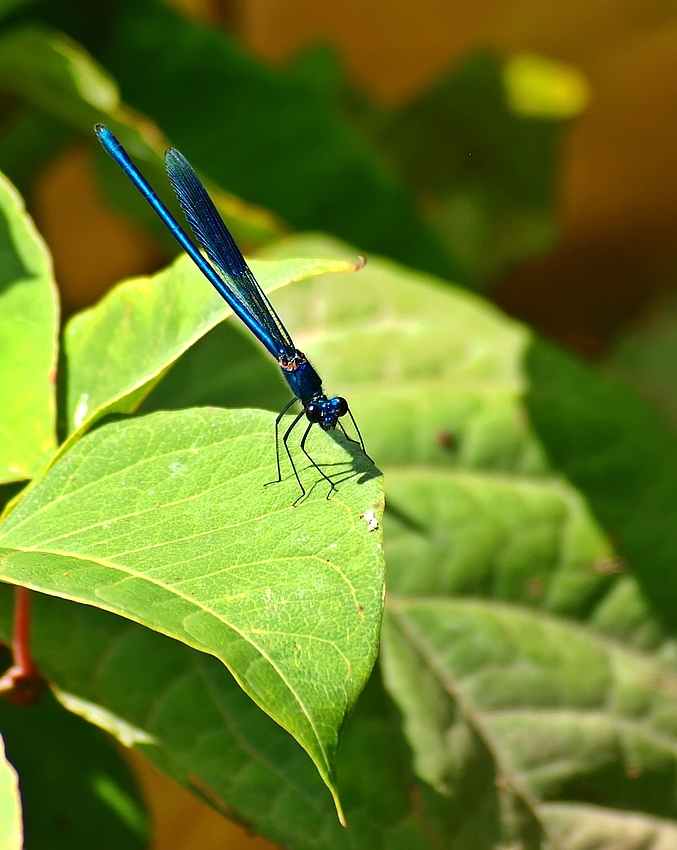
475, 721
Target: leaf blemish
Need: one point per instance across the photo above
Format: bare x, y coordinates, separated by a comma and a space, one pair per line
370, 518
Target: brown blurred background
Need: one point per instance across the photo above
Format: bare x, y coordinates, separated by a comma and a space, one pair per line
617, 197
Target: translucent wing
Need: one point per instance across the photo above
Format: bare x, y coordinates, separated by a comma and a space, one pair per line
216, 241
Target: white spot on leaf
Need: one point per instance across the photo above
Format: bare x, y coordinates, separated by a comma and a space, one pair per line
370, 518
81, 410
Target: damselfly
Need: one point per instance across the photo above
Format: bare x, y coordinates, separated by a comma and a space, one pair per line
226, 269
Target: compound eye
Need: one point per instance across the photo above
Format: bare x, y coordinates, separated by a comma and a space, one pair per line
314, 413
342, 407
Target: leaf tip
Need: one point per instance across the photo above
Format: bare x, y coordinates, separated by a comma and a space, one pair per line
339, 808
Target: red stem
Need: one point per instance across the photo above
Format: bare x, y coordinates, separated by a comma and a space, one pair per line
21, 635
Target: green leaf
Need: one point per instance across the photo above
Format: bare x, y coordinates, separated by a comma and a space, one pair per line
623, 457
49, 71
146, 518
183, 710
247, 376
28, 342
11, 828
482, 534
645, 357
579, 828
566, 714
76, 787
483, 168
117, 350
387, 806
438, 380
433, 374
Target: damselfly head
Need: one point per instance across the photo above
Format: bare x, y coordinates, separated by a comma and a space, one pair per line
325, 412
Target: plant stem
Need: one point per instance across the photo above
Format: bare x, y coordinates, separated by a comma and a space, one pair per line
22, 683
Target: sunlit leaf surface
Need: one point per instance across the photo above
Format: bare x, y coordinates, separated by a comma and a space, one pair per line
166, 519
28, 345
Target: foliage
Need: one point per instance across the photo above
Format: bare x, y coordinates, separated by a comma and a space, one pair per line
11, 832
73, 781
524, 692
484, 176
179, 478
645, 356
439, 184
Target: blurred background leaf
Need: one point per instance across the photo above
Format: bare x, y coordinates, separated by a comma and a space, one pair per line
74, 781
459, 181
621, 454
645, 357
479, 149
61, 89
476, 151
271, 139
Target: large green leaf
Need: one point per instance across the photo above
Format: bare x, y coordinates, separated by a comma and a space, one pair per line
438, 380
28, 343
166, 520
184, 711
77, 791
434, 375
11, 830
587, 727
117, 350
50, 72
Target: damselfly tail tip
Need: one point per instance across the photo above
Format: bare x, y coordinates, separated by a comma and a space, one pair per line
361, 262
99, 129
